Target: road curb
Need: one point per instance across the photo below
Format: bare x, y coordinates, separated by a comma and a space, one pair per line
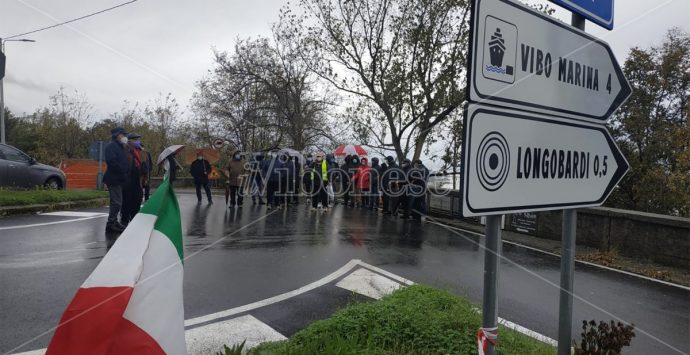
61, 206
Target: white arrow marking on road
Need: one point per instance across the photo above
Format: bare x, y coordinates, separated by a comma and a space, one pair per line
233, 330
368, 283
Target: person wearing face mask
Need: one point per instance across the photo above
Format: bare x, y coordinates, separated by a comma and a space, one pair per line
235, 172
199, 170
319, 173
116, 177
132, 193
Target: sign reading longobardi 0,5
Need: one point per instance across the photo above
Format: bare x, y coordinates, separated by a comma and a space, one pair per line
517, 161
524, 59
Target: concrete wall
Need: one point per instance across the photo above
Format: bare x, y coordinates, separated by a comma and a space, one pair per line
662, 239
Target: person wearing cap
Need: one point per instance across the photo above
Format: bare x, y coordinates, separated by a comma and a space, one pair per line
199, 170
116, 176
132, 192
320, 172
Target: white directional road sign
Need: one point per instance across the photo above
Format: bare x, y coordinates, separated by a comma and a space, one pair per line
524, 59
518, 162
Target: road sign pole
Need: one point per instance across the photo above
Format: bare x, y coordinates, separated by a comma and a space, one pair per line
2, 112
2, 94
569, 229
492, 254
565, 307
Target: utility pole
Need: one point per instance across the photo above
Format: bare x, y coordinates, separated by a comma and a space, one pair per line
2, 91
3, 63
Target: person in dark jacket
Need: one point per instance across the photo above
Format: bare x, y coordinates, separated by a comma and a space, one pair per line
272, 168
132, 193
347, 171
418, 177
387, 176
401, 189
116, 177
375, 183
199, 170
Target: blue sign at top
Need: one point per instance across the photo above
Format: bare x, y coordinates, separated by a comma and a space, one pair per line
597, 11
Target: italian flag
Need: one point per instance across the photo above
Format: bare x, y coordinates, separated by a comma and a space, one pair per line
132, 302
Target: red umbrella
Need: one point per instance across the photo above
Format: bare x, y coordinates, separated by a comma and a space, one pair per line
349, 149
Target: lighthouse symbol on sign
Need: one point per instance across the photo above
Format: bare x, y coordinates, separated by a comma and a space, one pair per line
500, 50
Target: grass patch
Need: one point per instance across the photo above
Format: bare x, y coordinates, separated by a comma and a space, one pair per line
414, 320
40, 196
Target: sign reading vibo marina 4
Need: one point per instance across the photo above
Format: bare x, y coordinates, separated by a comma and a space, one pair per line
539, 92
524, 59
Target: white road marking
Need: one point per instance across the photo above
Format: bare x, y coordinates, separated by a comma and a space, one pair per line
577, 261
211, 327
275, 299
50, 223
73, 214
368, 283
209, 339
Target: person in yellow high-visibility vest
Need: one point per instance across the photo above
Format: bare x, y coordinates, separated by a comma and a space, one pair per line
320, 176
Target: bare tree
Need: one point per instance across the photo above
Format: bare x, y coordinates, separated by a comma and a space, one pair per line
406, 58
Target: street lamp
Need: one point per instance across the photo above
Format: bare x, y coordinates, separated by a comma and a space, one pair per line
2, 75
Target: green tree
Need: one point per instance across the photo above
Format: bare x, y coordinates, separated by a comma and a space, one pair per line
652, 128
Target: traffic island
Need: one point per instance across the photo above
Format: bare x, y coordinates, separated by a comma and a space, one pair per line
416, 319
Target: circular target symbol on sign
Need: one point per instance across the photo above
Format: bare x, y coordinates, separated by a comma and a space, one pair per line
493, 161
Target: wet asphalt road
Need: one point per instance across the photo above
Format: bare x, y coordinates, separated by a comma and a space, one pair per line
238, 257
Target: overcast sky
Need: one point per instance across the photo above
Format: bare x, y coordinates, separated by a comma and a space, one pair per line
157, 46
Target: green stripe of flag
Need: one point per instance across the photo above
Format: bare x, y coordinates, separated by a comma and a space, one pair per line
163, 204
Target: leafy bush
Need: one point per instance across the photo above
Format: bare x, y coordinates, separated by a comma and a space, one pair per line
413, 320
604, 338
235, 350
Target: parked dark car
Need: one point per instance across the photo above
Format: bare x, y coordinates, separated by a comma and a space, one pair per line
17, 169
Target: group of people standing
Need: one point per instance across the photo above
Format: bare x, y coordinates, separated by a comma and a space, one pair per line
386, 188
128, 177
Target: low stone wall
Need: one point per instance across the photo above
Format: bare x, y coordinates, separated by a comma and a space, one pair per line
662, 239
